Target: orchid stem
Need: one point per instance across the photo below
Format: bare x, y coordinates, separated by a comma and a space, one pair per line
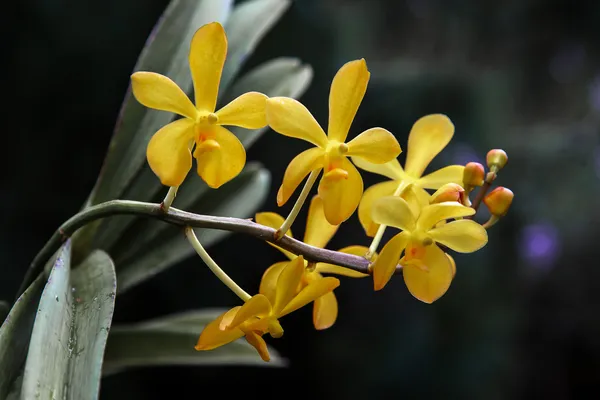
489, 179
182, 219
223, 277
298, 206
166, 203
379, 235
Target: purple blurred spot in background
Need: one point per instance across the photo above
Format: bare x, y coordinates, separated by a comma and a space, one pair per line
594, 94
568, 62
463, 153
540, 245
597, 161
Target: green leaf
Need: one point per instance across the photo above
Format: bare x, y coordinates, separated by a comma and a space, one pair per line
15, 333
170, 341
239, 198
247, 25
70, 331
166, 52
278, 77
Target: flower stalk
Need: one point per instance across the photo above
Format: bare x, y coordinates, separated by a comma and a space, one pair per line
489, 179
287, 224
169, 198
214, 267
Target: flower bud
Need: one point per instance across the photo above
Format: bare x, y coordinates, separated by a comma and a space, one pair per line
496, 159
473, 175
498, 201
448, 192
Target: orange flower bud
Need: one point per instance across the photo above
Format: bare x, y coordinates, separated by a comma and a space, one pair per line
448, 192
496, 159
498, 201
474, 174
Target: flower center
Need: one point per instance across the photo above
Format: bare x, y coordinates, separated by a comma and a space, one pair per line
205, 141
206, 119
421, 238
334, 158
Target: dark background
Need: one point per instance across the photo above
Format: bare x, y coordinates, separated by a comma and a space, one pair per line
521, 319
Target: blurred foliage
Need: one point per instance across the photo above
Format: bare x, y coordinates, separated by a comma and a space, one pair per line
521, 318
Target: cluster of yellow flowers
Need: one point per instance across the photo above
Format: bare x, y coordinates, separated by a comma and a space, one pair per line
430, 224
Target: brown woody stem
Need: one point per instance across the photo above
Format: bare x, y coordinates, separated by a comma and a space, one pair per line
489, 179
184, 218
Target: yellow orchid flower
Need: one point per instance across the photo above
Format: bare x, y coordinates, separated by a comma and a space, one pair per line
220, 156
318, 233
428, 136
261, 313
427, 270
341, 186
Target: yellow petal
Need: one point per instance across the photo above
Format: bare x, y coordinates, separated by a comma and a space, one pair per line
295, 173
430, 283
257, 306
375, 145
393, 211
437, 212
341, 196
385, 264
365, 208
437, 179
452, 264
268, 283
207, 56
356, 250
259, 344
428, 136
311, 292
213, 337
228, 317
287, 284
274, 220
391, 169
416, 198
247, 111
290, 118
169, 154
325, 311
318, 231
222, 164
347, 91
326, 268
464, 236
161, 93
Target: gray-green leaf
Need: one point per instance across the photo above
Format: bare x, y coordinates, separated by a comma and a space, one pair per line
69, 335
246, 26
15, 333
239, 198
170, 341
